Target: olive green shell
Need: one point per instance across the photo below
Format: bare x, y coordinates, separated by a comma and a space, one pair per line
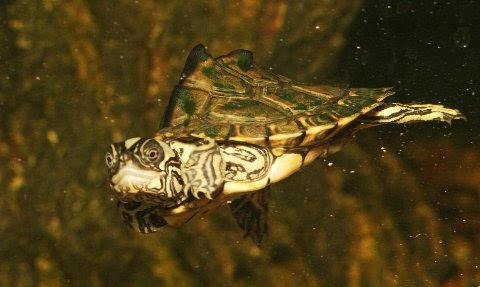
229, 98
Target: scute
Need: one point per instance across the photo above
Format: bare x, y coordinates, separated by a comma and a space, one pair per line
254, 134
241, 110
229, 98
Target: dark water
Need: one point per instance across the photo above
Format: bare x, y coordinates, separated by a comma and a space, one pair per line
399, 206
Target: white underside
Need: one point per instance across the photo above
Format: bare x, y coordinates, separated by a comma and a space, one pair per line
282, 167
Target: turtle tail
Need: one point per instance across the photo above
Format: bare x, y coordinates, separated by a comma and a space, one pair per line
394, 113
410, 113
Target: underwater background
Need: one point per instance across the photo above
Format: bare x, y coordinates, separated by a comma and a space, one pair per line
398, 206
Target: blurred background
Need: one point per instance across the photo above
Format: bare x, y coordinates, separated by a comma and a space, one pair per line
399, 206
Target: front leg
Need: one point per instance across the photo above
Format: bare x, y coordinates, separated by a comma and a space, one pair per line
141, 217
203, 167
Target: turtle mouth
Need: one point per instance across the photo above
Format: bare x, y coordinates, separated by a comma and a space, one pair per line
134, 183
131, 179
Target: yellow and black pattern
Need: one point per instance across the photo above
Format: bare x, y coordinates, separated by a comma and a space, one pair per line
246, 163
143, 169
232, 129
410, 113
141, 216
203, 167
230, 98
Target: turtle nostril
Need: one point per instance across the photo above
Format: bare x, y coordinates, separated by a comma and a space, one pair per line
124, 157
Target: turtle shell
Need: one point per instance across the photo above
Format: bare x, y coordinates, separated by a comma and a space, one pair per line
229, 98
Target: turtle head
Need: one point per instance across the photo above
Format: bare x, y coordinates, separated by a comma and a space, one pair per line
145, 169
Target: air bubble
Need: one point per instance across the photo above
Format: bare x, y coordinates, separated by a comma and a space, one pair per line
462, 37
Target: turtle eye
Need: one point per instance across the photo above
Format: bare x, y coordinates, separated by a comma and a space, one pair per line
109, 159
151, 151
152, 154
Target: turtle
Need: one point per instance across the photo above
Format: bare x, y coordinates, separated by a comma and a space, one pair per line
231, 129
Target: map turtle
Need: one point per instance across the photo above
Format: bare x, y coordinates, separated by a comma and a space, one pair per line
231, 129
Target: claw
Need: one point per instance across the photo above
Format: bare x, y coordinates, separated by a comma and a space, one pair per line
195, 194
186, 189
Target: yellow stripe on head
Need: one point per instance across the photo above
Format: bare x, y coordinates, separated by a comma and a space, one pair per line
130, 142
